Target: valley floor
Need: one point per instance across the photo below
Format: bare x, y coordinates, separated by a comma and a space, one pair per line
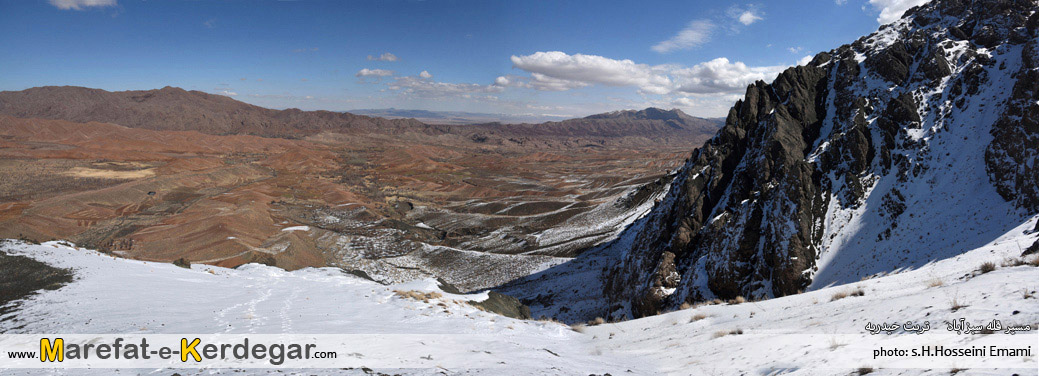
816, 333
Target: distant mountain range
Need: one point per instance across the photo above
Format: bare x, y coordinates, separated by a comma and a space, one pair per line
175, 109
456, 117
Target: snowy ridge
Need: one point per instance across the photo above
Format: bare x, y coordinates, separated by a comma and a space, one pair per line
911, 145
109, 295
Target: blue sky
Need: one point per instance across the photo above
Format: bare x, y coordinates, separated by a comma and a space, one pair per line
519, 57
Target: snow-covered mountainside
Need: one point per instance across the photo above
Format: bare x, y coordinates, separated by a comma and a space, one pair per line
816, 333
913, 144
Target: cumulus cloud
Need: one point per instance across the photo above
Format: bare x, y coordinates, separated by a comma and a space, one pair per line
374, 73
805, 60
695, 34
892, 10
384, 57
795, 50
720, 76
556, 70
81, 4
425, 74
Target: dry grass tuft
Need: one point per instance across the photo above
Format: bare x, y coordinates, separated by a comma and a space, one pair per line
685, 305
544, 318
1011, 262
865, 370
697, 317
834, 344
425, 297
935, 282
844, 294
578, 327
597, 321
956, 305
987, 267
723, 333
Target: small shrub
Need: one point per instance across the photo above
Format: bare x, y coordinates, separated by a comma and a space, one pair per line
182, 262
723, 333
935, 282
956, 305
578, 328
596, 321
685, 305
739, 300
865, 370
697, 317
987, 267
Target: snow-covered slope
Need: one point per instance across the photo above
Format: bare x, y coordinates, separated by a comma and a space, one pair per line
806, 334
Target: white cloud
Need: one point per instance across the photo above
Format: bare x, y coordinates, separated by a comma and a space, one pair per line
749, 17
745, 15
227, 93
374, 73
427, 88
720, 76
384, 57
695, 34
538, 81
683, 102
81, 4
805, 60
425, 74
795, 50
892, 10
840, 2
559, 71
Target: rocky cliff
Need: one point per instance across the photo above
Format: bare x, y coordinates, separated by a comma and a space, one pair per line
909, 145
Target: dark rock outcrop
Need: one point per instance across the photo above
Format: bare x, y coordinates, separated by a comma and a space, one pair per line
747, 214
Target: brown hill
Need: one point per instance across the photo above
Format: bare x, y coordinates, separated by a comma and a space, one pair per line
177, 109
653, 123
174, 109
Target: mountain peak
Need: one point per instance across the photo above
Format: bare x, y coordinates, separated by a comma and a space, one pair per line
841, 169
650, 113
